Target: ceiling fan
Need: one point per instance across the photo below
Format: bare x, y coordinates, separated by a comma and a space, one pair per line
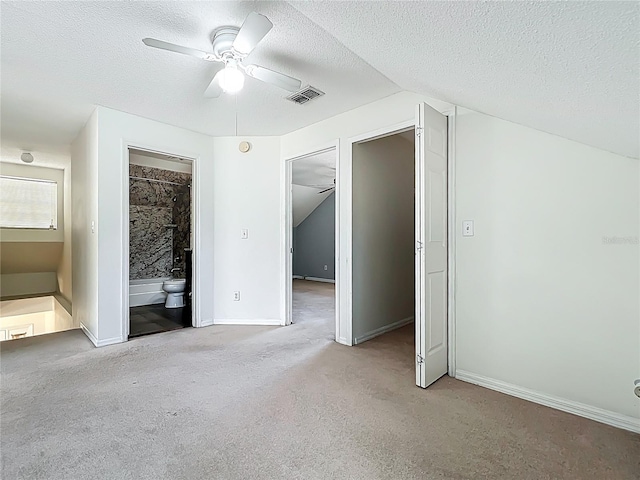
231, 45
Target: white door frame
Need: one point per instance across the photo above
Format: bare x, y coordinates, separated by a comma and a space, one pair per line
195, 232
346, 225
287, 232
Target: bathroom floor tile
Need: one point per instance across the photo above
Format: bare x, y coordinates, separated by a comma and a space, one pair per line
149, 319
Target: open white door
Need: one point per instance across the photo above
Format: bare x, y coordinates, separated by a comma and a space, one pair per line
431, 245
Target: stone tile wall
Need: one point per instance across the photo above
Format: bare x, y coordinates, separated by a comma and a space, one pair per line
154, 246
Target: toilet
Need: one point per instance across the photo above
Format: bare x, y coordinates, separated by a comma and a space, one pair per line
175, 292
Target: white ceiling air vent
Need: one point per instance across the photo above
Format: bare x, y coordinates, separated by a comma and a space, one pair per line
306, 94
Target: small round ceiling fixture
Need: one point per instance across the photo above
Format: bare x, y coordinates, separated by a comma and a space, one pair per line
26, 157
244, 147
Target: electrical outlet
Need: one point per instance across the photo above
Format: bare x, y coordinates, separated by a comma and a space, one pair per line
236, 296
325, 267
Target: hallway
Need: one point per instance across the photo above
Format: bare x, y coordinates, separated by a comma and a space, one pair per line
314, 302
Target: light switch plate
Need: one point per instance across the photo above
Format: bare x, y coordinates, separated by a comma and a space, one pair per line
244, 234
467, 228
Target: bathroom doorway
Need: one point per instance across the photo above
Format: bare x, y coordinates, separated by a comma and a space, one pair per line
160, 242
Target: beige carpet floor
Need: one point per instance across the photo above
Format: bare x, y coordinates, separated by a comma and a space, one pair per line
230, 402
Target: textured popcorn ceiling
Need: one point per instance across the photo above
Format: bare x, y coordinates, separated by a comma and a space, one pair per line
569, 68
61, 58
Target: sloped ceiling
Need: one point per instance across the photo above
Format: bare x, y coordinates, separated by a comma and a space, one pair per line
305, 201
310, 176
567, 68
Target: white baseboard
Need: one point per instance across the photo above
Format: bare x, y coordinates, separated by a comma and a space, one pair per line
99, 343
109, 341
593, 413
318, 279
89, 335
298, 277
379, 331
207, 323
247, 321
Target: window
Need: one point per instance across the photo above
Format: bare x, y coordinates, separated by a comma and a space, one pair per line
28, 203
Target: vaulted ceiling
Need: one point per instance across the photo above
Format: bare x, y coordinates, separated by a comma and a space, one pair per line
568, 68
311, 177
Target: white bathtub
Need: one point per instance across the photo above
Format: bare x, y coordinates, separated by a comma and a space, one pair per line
146, 291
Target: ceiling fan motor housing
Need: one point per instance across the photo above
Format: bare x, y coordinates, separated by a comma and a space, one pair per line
222, 41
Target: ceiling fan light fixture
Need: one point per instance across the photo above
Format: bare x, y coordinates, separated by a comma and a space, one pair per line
231, 79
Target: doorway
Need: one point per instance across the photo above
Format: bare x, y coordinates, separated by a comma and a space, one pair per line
383, 252
160, 242
311, 234
376, 306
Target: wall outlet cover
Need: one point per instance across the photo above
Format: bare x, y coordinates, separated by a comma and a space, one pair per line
467, 228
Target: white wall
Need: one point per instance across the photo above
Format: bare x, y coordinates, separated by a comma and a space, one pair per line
35, 254
25, 284
116, 130
543, 302
545, 203
232, 191
84, 210
389, 111
383, 236
247, 195
65, 268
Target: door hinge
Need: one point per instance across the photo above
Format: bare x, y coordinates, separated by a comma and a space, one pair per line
291, 249
419, 131
419, 247
419, 359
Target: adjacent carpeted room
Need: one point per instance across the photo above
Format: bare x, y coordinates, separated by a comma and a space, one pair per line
239, 402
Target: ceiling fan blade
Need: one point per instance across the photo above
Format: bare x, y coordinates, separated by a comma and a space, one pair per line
274, 78
328, 189
254, 29
214, 90
152, 42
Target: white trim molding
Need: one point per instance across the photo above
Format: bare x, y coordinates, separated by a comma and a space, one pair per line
318, 279
379, 331
451, 241
286, 234
205, 323
89, 335
582, 410
248, 321
196, 304
99, 343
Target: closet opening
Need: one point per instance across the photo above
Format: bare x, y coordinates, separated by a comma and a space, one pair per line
383, 239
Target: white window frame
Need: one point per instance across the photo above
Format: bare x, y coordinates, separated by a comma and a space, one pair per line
62, 177
54, 223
